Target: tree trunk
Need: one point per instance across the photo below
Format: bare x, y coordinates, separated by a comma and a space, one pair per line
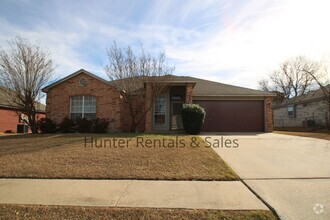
33, 122
133, 127
34, 129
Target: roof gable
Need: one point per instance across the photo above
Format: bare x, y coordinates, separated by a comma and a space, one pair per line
45, 89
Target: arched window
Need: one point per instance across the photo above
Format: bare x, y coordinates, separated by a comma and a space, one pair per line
82, 107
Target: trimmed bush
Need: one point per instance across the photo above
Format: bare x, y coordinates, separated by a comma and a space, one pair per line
192, 118
84, 125
46, 126
66, 126
100, 125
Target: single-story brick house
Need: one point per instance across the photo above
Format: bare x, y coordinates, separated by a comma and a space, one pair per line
228, 108
10, 118
307, 110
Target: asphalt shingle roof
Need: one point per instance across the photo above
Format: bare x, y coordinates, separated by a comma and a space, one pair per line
210, 88
309, 97
202, 87
4, 102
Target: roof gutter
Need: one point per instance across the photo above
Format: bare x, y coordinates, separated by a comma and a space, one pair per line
238, 95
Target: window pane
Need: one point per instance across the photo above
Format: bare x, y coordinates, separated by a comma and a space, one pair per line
175, 97
76, 104
159, 119
90, 104
160, 110
291, 111
83, 106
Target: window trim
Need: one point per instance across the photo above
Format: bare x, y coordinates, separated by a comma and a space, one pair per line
83, 106
154, 111
293, 115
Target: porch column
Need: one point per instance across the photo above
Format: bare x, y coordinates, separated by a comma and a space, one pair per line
189, 89
269, 114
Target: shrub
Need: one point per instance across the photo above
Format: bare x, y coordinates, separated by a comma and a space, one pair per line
192, 118
8, 131
66, 125
100, 125
84, 125
46, 125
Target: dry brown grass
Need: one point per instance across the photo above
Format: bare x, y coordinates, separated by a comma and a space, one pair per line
65, 156
72, 212
321, 134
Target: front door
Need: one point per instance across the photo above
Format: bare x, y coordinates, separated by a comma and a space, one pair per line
176, 118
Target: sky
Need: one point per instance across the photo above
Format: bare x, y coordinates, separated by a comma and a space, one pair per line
236, 42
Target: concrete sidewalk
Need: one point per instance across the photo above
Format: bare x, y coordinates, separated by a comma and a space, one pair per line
229, 195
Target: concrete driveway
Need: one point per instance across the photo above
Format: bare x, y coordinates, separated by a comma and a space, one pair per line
291, 174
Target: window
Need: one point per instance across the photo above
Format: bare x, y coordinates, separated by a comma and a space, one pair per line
291, 111
176, 97
82, 107
160, 110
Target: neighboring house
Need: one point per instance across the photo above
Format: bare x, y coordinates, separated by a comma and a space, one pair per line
309, 110
10, 118
228, 108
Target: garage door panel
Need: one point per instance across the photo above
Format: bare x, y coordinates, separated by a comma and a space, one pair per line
239, 116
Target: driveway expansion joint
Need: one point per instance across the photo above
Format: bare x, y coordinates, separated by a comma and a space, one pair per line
122, 194
262, 200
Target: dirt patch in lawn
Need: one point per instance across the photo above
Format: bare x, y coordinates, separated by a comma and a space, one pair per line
71, 212
320, 134
68, 156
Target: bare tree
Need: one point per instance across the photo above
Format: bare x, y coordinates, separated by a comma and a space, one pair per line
24, 69
320, 74
131, 73
291, 78
264, 85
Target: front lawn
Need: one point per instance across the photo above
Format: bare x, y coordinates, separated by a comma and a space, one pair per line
74, 212
66, 156
320, 134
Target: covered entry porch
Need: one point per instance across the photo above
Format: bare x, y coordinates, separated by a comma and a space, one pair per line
165, 114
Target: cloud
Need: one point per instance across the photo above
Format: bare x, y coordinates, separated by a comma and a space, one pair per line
256, 41
235, 42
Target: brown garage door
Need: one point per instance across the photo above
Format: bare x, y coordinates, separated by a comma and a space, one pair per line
236, 116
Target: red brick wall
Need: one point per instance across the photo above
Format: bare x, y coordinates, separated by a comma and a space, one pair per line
9, 119
108, 102
189, 90
268, 115
148, 121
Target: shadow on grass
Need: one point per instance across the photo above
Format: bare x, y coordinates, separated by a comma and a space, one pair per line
114, 134
30, 143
